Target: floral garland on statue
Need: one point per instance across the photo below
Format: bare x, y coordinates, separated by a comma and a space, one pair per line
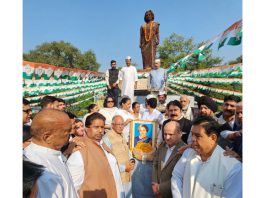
145, 31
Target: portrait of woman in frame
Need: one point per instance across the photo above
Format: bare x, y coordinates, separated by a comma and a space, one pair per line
142, 131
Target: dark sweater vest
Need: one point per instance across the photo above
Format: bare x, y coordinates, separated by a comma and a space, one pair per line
113, 76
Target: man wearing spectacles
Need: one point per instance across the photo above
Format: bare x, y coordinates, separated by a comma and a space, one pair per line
112, 80
115, 140
27, 112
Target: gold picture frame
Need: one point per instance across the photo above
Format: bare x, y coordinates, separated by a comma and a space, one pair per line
151, 132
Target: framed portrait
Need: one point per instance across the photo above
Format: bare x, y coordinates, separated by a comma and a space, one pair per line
143, 131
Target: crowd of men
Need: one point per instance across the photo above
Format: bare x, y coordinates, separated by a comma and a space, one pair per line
67, 159
198, 151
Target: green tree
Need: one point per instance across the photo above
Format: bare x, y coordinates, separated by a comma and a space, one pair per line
176, 47
237, 60
88, 61
62, 54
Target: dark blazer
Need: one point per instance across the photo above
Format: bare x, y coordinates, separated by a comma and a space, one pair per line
160, 175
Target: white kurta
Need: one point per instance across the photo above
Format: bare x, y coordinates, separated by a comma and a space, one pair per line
160, 135
126, 115
188, 113
142, 108
56, 181
75, 164
219, 176
128, 75
154, 116
108, 114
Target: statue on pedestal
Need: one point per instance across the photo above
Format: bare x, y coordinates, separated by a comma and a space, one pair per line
149, 39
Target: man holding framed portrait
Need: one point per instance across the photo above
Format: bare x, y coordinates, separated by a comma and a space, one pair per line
142, 143
143, 138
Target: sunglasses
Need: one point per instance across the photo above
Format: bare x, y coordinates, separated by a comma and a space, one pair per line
110, 101
27, 110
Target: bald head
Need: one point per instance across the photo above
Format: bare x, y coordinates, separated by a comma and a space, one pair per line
51, 128
172, 133
173, 125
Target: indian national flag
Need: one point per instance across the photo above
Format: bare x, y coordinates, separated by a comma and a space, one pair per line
237, 35
232, 29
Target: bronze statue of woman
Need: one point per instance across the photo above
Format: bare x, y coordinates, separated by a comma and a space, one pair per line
149, 39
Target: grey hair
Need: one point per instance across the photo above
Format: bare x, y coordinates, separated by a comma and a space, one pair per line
116, 116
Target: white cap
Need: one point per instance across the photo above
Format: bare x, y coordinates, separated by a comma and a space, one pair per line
162, 93
157, 60
150, 96
128, 58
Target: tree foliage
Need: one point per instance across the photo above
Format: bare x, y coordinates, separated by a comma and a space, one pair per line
63, 54
237, 60
89, 61
176, 47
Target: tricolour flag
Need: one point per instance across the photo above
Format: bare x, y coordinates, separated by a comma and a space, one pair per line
237, 35
227, 32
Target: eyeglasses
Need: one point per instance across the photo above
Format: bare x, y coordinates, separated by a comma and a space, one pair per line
27, 110
110, 101
118, 124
